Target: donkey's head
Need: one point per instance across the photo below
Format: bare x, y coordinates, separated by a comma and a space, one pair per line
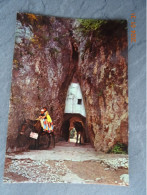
23, 127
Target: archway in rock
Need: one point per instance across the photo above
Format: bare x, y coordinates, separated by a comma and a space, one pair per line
68, 124
74, 112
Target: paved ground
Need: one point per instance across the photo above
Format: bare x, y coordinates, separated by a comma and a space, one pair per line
67, 163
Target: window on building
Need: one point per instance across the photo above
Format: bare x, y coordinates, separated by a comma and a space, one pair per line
79, 101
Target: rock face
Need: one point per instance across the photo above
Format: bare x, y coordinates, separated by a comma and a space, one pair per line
104, 86
48, 53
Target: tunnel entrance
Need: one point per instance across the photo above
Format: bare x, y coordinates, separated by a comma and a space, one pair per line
70, 127
74, 119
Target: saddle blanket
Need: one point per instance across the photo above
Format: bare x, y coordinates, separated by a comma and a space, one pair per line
47, 127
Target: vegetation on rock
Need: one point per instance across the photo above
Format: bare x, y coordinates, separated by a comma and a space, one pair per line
119, 148
88, 25
100, 27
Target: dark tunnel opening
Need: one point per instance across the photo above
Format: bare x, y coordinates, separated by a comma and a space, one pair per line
72, 124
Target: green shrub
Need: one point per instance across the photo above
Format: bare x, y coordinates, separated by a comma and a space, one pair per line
119, 148
87, 25
101, 28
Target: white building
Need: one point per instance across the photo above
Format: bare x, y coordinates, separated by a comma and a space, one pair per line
74, 100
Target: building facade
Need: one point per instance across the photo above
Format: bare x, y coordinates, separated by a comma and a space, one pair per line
74, 100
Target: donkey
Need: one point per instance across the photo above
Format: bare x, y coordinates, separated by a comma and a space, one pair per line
35, 126
80, 131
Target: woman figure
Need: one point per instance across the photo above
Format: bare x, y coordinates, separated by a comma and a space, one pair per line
47, 121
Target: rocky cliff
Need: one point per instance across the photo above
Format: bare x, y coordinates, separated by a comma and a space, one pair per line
48, 53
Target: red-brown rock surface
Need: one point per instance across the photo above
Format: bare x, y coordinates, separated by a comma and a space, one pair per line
47, 56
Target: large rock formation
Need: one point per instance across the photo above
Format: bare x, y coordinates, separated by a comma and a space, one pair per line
48, 52
103, 80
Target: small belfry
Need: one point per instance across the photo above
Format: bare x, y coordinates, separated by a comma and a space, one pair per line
74, 101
